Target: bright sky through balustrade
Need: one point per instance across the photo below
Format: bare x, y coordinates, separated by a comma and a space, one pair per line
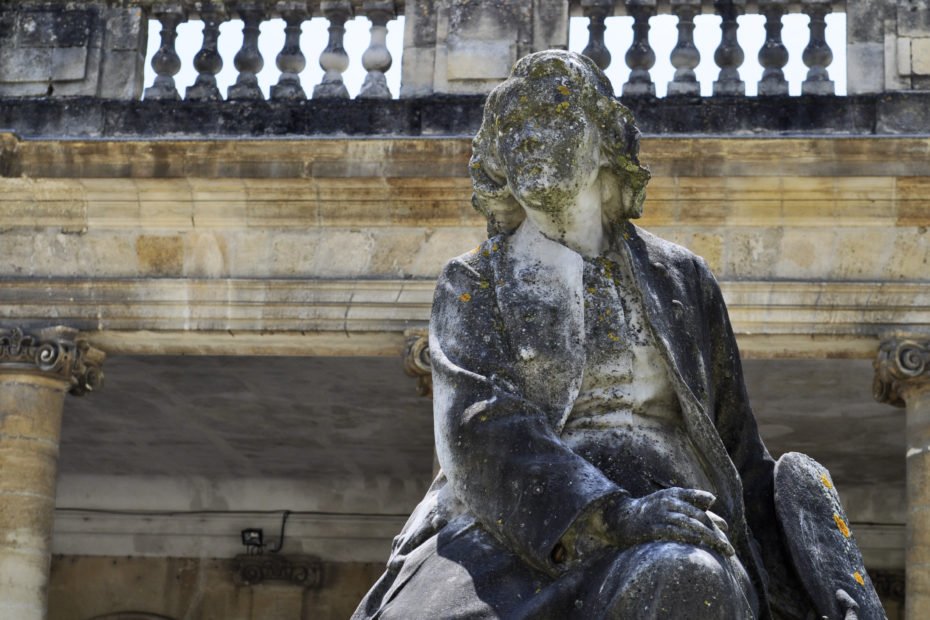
662, 37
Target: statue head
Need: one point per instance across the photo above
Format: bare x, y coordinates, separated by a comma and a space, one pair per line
552, 125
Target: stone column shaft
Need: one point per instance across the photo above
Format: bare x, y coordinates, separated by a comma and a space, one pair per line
902, 378
36, 371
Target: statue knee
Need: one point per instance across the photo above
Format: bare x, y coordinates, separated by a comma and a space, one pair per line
672, 580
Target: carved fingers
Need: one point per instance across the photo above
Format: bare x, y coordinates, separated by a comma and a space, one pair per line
848, 604
675, 514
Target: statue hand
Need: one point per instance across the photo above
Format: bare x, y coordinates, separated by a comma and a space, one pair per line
673, 514
848, 604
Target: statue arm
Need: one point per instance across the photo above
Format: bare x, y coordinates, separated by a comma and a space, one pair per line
497, 448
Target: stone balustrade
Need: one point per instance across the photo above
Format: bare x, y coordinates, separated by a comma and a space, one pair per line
729, 55
457, 47
290, 61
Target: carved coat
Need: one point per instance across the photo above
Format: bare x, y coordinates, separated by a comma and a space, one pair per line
507, 345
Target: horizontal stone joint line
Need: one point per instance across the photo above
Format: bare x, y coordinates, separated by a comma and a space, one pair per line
50, 498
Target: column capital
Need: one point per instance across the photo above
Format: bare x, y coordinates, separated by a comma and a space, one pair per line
902, 364
417, 360
53, 352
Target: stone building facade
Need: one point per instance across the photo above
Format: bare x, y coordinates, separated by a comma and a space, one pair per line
249, 274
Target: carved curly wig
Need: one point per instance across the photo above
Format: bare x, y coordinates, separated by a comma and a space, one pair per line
623, 179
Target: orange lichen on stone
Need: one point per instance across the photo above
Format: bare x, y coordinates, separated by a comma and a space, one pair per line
841, 525
858, 577
466, 297
562, 88
826, 481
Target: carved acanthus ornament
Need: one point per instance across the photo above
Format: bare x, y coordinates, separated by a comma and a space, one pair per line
54, 352
417, 360
901, 365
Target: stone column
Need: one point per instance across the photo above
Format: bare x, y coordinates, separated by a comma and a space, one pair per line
37, 369
902, 378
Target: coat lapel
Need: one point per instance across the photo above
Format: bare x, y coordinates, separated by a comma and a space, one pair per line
671, 301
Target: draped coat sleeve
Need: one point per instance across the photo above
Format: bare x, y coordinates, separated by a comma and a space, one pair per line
497, 445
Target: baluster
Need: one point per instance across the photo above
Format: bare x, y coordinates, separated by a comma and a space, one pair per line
773, 55
248, 60
640, 57
817, 55
166, 61
685, 56
729, 55
597, 11
377, 59
290, 60
208, 61
334, 59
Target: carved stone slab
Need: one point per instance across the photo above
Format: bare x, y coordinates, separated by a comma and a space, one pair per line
818, 538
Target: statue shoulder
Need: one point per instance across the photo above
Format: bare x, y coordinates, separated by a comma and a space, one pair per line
477, 262
671, 255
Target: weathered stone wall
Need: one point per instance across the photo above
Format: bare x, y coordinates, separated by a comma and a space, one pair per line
84, 587
62, 50
786, 224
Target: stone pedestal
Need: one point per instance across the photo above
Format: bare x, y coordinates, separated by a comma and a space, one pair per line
37, 369
902, 378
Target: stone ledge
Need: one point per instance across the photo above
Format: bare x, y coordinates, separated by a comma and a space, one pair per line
331, 537
197, 160
885, 113
368, 317
754, 198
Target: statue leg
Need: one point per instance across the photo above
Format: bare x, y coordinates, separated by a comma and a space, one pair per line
674, 580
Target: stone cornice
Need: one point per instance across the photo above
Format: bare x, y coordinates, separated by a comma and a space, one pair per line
301, 157
445, 114
902, 364
132, 315
52, 352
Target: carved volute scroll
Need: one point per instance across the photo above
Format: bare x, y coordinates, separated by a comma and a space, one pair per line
377, 59
53, 352
729, 55
166, 61
208, 61
290, 60
597, 11
685, 56
640, 57
817, 55
248, 60
773, 55
417, 360
902, 364
334, 60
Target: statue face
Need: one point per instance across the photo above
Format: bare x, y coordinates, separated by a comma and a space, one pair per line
549, 148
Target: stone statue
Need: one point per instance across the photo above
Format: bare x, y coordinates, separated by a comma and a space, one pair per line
599, 457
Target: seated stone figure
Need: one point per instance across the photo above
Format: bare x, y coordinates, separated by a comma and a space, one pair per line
599, 458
